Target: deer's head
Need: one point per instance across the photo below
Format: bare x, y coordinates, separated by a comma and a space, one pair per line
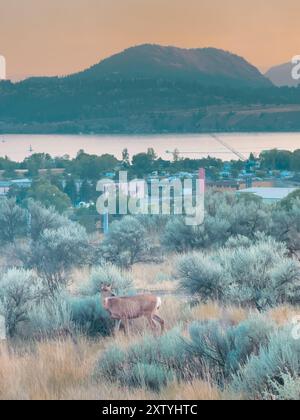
106, 291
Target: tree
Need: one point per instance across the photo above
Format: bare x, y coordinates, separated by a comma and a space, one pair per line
142, 163
71, 189
86, 191
92, 166
36, 162
49, 195
276, 159
12, 220
125, 158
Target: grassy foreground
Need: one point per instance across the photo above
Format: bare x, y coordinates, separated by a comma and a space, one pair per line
60, 370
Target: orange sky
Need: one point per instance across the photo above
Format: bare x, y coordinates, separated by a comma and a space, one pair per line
48, 37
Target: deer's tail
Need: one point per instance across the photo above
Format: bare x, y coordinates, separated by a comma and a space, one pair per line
158, 303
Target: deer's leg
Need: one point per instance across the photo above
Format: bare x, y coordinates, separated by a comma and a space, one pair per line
160, 321
151, 323
117, 326
126, 326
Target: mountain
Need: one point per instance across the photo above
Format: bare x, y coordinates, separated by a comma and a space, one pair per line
152, 89
209, 66
282, 75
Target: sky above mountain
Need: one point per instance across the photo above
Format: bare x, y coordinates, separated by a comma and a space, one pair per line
53, 37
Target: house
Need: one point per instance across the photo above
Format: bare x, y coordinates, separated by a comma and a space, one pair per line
6, 185
269, 195
21, 183
4, 188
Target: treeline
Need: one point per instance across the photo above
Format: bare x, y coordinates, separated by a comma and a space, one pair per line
69, 105
281, 160
92, 167
52, 99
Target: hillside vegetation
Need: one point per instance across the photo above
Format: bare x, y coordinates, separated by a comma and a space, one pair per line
230, 294
152, 89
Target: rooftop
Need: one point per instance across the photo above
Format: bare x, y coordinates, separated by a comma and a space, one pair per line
269, 193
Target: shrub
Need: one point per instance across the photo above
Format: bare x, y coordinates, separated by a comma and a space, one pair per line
238, 242
224, 349
202, 276
44, 219
57, 252
13, 221
285, 226
179, 237
126, 243
287, 388
263, 375
260, 275
151, 362
89, 317
51, 315
150, 376
226, 215
19, 291
107, 274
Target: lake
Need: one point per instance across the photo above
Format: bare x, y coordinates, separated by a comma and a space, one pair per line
17, 147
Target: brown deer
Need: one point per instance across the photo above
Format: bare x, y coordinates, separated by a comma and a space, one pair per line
122, 309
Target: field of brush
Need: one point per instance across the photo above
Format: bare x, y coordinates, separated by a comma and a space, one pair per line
59, 369
230, 291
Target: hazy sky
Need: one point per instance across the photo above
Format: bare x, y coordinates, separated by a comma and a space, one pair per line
48, 37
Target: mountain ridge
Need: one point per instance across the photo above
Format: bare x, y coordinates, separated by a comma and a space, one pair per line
206, 65
281, 75
152, 89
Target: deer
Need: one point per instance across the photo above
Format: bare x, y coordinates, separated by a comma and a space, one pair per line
123, 309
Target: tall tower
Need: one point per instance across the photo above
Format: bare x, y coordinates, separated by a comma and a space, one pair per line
2, 68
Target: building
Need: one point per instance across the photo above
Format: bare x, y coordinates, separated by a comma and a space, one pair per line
4, 188
20, 183
269, 195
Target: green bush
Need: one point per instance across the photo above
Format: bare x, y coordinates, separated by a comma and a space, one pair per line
50, 316
89, 317
260, 275
226, 216
150, 376
225, 349
20, 290
13, 221
151, 362
201, 275
265, 374
43, 218
57, 252
105, 275
287, 388
126, 243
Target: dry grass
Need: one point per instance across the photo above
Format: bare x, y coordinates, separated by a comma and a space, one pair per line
195, 390
155, 277
283, 314
58, 370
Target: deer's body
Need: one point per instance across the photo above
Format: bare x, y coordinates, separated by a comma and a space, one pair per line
123, 309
